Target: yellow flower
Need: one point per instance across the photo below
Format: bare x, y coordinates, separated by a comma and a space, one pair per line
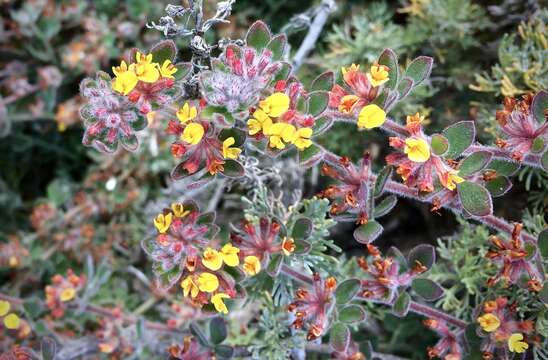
162, 222
212, 259
302, 138
207, 282
275, 105
178, 210
167, 70
347, 103
13, 261
260, 122
186, 113
193, 133
278, 132
288, 246
351, 68
417, 150
67, 294
4, 307
378, 75
12, 321
217, 301
371, 116
489, 322
228, 152
252, 265
145, 69
189, 287
125, 79
515, 343
230, 255
451, 179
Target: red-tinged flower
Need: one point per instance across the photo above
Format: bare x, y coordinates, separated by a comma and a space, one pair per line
190, 350
110, 338
259, 240
147, 96
514, 259
313, 305
62, 291
417, 164
350, 197
501, 330
383, 277
520, 128
354, 94
12, 253
448, 347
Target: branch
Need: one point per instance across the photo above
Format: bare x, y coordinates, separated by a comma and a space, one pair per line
309, 42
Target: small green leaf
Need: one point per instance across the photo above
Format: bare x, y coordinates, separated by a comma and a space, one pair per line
439, 144
474, 163
404, 87
275, 264
425, 254
33, 308
504, 167
498, 186
382, 178
323, 82
539, 106
388, 58
322, 124
401, 305
385, 206
258, 36
543, 243
317, 102
339, 337
278, 45
164, 50
419, 69
233, 169
538, 145
460, 136
284, 72
347, 290
224, 351
183, 69
302, 228
427, 289
217, 330
367, 233
48, 348
351, 314
475, 199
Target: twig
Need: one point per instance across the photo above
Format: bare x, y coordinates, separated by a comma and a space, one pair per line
309, 42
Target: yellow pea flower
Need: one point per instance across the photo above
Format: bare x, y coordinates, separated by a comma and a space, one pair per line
228, 151
67, 294
417, 150
378, 75
125, 79
167, 69
278, 132
489, 322
230, 255
12, 322
217, 301
162, 222
347, 103
371, 116
275, 105
351, 68
178, 210
207, 282
193, 133
252, 265
288, 246
260, 122
4, 307
516, 343
145, 69
212, 259
189, 287
451, 179
302, 138
186, 113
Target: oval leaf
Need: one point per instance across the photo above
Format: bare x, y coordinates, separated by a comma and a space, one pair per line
258, 36
388, 58
347, 290
401, 305
439, 144
425, 254
323, 82
427, 289
539, 106
339, 337
475, 199
367, 233
382, 178
302, 228
385, 206
351, 314
460, 136
498, 186
217, 330
317, 102
474, 163
419, 69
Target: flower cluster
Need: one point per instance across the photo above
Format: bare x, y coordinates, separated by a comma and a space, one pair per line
522, 132
238, 78
110, 339
183, 249
63, 290
501, 329
449, 346
515, 260
259, 242
313, 306
351, 195
201, 140
358, 93
384, 277
416, 164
